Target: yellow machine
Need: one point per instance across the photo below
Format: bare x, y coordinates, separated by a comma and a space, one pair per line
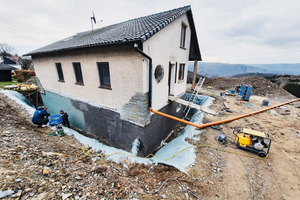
252, 141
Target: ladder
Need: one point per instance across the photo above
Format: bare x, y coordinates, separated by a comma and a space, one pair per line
193, 97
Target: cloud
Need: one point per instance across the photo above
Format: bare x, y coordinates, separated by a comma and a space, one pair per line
231, 31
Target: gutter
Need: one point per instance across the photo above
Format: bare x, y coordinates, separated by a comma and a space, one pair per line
150, 73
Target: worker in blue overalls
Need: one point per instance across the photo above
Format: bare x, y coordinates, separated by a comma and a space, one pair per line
40, 116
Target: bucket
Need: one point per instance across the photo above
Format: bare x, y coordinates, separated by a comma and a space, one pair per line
265, 102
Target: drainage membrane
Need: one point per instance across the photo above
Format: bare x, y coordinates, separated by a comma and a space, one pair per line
180, 161
20, 99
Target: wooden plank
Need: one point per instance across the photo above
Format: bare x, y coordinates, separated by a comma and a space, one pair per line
192, 105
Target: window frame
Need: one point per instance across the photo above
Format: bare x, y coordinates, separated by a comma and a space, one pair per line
100, 75
183, 35
181, 72
78, 76
60, 72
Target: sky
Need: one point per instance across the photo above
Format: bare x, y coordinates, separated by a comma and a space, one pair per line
229, 31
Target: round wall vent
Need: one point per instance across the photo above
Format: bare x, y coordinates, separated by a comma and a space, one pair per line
159, 73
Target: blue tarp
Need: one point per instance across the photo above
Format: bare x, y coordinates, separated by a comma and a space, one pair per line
55, 120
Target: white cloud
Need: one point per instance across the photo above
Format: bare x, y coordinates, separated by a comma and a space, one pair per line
232, 31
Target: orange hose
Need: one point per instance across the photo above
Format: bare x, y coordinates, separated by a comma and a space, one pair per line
218, 122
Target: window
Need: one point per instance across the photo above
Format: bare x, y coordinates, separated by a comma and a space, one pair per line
103, 70
159, 73
59, 72
78, 73
181, 72
183, 35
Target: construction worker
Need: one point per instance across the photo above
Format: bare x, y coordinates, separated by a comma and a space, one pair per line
65, 119
40, 116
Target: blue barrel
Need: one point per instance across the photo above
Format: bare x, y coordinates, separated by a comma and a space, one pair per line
55, 120
249, 87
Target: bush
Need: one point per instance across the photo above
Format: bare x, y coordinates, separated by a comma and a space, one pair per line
24, 75
294, 89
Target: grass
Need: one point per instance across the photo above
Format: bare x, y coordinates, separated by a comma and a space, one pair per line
2, 84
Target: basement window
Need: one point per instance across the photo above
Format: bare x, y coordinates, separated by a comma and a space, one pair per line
78, 73
181, 72
104, 76
183, 35
59, 72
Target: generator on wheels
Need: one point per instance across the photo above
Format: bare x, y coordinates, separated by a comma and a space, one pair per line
253, 141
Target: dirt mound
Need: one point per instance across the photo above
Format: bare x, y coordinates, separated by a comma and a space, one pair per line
261, 86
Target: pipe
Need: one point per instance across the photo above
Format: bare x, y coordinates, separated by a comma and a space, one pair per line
150, 73
135, 147
218, 122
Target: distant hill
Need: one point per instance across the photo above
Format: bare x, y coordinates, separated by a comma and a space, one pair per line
252, 74
284, 68
224, 69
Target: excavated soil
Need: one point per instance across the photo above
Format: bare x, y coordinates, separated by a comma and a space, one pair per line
26, 151
261, 86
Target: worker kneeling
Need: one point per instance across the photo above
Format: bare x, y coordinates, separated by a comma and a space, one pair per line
40, 116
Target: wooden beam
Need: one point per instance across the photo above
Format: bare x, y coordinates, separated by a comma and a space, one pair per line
192, 105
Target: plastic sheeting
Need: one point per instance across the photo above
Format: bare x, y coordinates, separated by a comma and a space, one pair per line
135, 147
180, 161
6, 193
20, 99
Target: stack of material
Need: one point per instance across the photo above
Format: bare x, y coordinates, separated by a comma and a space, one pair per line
21, 87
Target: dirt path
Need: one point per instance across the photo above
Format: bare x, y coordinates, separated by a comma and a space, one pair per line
276, 177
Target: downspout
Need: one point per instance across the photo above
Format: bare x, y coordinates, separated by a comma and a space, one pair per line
150, 73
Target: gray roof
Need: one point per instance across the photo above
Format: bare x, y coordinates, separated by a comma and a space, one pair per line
139, 29
7, 67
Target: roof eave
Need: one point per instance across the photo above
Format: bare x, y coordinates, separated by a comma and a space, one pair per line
194, 53
83, 47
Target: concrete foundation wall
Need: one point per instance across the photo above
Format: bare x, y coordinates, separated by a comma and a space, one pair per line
107, 125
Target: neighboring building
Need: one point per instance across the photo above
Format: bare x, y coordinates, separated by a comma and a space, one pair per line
10, 61
5, 72
101, 77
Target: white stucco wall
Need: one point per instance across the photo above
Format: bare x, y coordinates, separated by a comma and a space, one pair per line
164, 47
128, 69
126, 74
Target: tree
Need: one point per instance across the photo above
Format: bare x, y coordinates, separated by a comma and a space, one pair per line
294, 89
5, 49
26, 63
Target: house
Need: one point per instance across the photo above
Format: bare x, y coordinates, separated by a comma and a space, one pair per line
108, 78
5, 72
12, 61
